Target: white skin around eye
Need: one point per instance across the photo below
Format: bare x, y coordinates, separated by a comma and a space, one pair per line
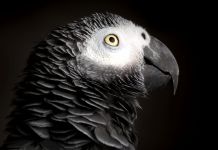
128, 52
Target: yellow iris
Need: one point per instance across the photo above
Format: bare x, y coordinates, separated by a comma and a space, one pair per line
111, 40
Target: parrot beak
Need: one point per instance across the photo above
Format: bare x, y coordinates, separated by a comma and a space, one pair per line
160, 66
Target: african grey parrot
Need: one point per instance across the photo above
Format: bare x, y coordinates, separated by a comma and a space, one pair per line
80, 87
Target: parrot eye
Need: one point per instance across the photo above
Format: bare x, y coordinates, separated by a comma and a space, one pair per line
112, 40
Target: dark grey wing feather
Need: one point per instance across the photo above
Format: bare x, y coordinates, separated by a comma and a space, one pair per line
41, 132
31, 145
103, 136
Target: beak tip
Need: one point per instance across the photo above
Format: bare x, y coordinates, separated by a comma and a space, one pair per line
175, 83
174, 91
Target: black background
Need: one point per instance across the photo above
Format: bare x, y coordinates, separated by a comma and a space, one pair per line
166, 122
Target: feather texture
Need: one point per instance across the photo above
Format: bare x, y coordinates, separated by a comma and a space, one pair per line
60, 108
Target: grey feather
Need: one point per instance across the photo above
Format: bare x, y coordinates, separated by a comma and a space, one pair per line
58, 107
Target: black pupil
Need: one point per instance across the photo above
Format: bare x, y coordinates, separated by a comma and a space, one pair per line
143, 35
112, 39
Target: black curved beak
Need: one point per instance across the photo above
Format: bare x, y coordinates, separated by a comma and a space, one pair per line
160, 66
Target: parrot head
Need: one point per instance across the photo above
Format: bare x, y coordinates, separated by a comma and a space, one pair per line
112, 47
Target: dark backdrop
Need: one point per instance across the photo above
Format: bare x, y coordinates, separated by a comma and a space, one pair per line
166, 122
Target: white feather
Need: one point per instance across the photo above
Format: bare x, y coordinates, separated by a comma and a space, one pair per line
128, 52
